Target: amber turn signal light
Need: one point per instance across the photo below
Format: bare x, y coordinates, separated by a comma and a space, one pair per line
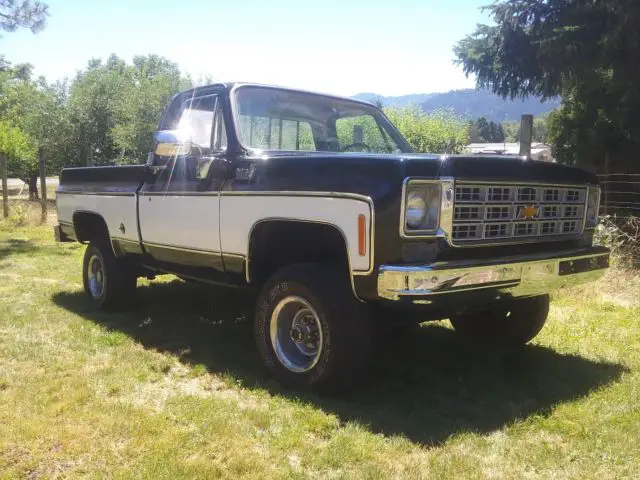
362, 235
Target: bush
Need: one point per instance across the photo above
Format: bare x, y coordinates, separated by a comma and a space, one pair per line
623, 238
19, 215
441, 131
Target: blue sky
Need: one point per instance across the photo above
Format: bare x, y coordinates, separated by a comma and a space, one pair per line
344, 47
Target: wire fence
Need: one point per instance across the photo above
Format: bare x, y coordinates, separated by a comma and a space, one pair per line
620, 195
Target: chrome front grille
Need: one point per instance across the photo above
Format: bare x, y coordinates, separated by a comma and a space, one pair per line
509, 213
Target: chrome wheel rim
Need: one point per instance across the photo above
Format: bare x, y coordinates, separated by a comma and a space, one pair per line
296, 334
95, 276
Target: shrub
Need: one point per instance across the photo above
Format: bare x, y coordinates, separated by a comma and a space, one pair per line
623, 238
441, 131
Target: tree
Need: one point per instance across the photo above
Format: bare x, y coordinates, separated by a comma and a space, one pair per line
511, 131
584, 51
115, 107
483, 131
474, 133
37, 109
540, 126
497, 132
15, 144
21, 157
106, 114
437, 132
16, 14
147, 88
540, 129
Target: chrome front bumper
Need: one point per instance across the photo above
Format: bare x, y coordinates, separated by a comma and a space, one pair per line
515, 276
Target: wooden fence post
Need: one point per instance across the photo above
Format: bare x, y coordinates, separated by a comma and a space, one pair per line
5, 188
43, 184
526, 135
607, 180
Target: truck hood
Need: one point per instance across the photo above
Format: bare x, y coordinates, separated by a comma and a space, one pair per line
498, 168
461, 167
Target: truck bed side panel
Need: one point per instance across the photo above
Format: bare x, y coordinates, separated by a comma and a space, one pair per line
118, 212
107, 191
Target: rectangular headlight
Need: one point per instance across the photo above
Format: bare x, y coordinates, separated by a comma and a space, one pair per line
422, 207
593, 207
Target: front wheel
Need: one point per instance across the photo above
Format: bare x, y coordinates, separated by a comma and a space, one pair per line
310, 330
511, 322
109, 282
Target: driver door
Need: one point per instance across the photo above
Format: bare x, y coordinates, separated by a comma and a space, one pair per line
179, 211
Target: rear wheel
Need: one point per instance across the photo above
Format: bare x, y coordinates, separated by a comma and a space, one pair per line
109, 282
310, 330
512, 322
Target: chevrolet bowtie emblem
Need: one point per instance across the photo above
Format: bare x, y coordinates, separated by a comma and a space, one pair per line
528, 213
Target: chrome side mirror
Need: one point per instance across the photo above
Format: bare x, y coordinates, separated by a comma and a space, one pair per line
170, 143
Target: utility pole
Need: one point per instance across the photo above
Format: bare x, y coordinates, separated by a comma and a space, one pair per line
526, 135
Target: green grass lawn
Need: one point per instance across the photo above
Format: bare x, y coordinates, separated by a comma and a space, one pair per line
174, 389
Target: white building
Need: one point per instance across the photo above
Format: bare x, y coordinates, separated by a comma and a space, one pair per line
539, 151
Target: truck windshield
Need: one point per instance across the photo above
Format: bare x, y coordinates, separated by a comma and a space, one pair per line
275, 119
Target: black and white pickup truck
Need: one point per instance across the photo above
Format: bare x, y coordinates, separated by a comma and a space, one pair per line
321, 205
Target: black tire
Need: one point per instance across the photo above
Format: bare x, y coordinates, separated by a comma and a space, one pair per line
509, 323
345, 346
118, 277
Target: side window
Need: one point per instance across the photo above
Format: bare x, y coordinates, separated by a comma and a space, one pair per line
276, 133
203, 119
197, 119
362, 133
297, 136
219, 131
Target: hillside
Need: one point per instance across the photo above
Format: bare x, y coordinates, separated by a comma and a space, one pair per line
399, 101
469, 103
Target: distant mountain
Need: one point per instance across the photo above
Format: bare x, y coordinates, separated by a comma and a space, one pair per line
482, 103
400, 101
469, 103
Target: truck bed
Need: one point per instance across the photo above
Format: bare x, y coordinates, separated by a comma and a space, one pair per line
109, 192
126, 178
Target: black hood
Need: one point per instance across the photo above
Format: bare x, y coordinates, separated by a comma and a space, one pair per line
368, 174
496, 168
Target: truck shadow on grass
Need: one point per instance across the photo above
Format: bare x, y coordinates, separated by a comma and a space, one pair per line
425, 386
18, 246
14, 246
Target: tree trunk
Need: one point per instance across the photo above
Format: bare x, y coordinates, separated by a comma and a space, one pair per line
43, 184
5, 189
33, 188
607, 180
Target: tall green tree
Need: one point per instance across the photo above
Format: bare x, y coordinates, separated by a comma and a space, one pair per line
585, 52
147, 87
38, 110
16, 14
484, 131
497, 132
106, 114
114, 107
